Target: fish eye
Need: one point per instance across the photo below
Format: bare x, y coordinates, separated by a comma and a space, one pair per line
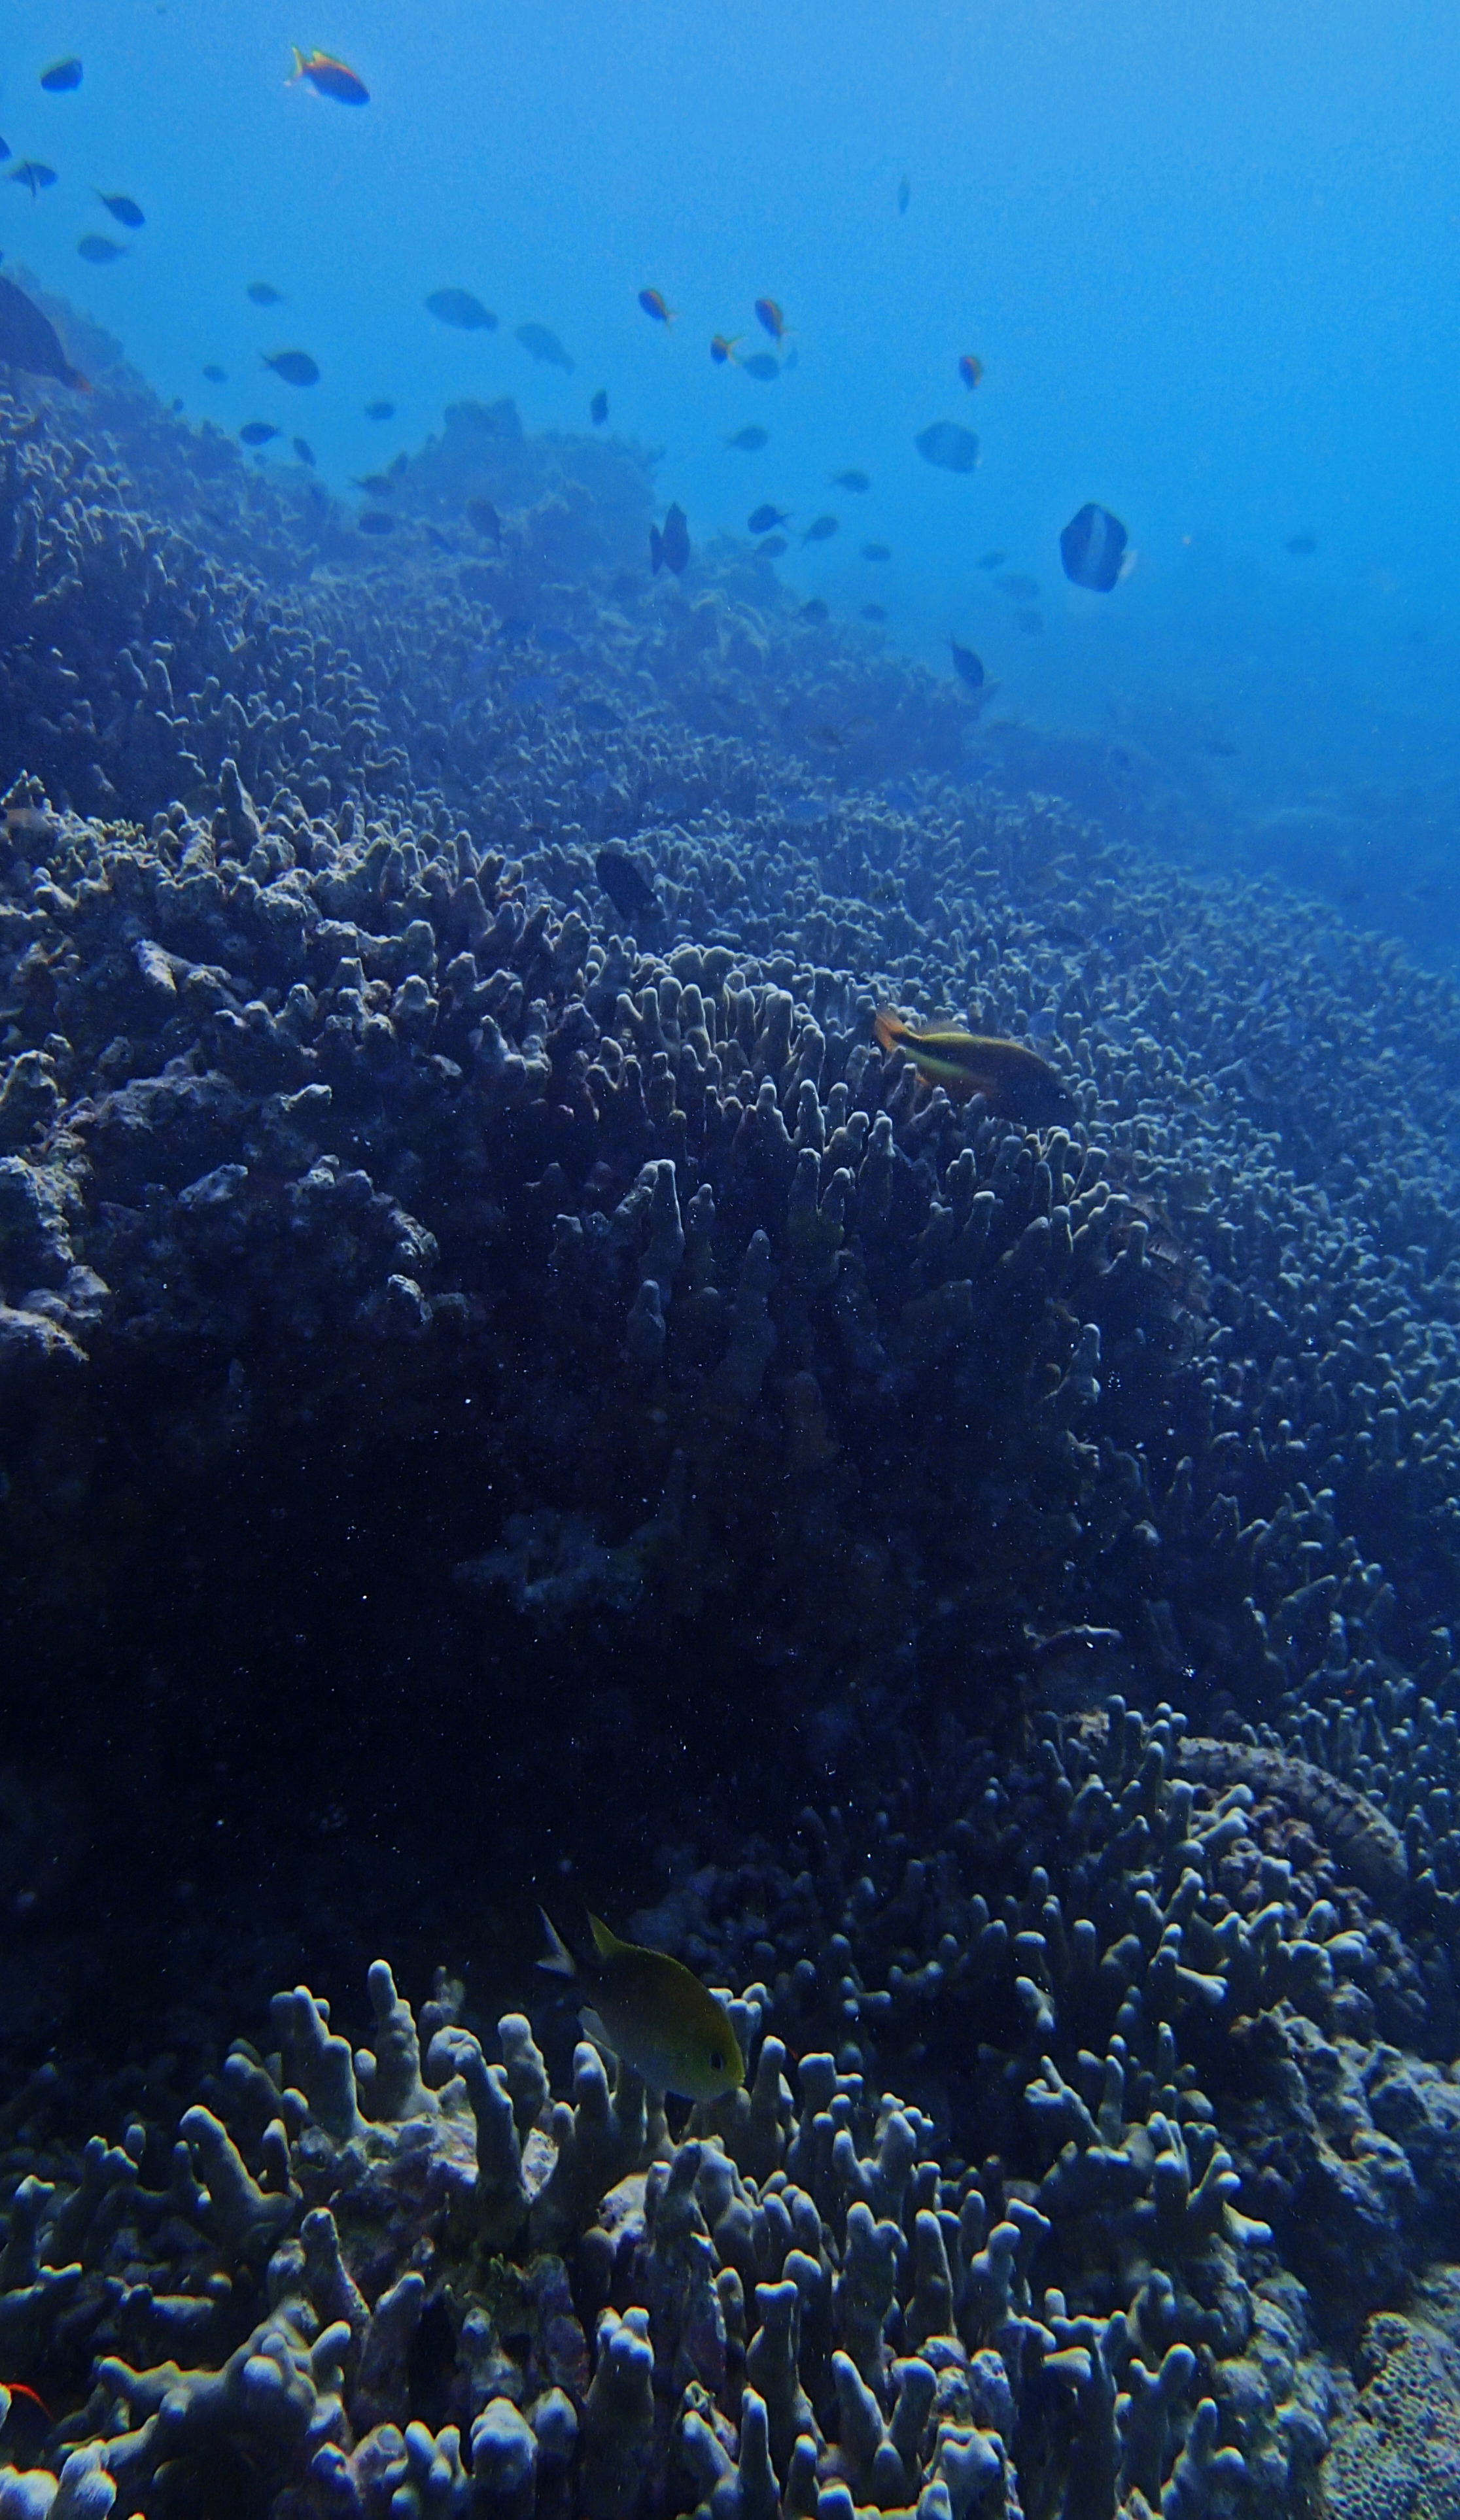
716, 2061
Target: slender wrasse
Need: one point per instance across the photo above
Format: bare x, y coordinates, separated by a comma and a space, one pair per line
1013, 1081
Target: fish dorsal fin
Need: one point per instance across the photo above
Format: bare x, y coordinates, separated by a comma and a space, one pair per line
605, 1942
557, 1958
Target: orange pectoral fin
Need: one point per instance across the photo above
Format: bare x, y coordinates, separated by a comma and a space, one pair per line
889, 1028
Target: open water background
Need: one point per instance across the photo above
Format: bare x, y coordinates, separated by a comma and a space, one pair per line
1208, 259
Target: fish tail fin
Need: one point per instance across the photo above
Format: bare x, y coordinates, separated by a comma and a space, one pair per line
605, 1941
559, 1958
889, 1028
297, 71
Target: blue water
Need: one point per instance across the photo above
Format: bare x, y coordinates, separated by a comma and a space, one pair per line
1207, 257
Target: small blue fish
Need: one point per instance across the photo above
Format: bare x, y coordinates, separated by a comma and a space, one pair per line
459, 309
122, 208
543, 344
953, 449
671, 548
296, 367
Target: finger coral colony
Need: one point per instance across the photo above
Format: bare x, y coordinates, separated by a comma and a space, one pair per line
980, 1579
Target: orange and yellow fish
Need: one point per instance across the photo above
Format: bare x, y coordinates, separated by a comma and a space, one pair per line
654, 305
970, 370
721, 349
330, 77
772, 318
1015, 1082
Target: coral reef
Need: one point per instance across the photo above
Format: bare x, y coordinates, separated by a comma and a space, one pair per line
274, 1077
796, 2305
679, 1416
1118, 2253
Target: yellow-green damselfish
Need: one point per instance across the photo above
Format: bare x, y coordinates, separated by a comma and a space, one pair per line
652, 2013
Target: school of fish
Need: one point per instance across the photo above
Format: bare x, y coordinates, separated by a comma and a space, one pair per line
1094, 547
